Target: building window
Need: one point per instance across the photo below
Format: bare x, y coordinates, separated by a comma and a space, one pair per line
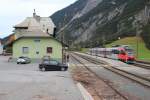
25, 50
43, 27
37, 40
49, 49
37, 52
47, 31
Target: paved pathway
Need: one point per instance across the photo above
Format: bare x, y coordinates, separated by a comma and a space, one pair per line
26, 82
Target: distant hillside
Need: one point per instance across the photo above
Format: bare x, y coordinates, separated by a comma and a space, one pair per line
95, 22
9, 39
63, 17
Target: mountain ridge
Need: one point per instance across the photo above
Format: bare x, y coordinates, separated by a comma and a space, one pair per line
104, 22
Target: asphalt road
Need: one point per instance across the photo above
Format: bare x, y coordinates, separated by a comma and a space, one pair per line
26, 82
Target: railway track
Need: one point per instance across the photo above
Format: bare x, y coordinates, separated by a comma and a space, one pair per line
142, 65
144, 62
96, 93
124, 97
139, 79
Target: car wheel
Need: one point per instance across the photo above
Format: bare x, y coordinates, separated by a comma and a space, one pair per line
17, 62
43, 69
63, 69
66, 69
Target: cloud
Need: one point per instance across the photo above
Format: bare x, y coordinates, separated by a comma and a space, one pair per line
14, 11
45, 7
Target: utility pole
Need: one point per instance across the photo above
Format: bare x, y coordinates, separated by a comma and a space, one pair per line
70, 44
96, 49
138, 32
137, 46
62, 41
91, 47
104, 40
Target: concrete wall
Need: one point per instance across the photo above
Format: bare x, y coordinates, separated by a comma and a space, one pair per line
41, 47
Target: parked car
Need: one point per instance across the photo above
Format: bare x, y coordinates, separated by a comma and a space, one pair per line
46, 58
23, 60
52, 65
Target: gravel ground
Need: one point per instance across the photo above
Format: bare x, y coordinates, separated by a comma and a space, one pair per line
130, 89
26, 82
96, 87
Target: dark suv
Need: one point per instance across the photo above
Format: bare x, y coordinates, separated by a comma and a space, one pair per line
52, 65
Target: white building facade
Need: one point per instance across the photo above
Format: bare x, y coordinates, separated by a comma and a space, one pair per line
1, 48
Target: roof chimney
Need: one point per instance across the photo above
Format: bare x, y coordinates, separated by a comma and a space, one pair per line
34, 14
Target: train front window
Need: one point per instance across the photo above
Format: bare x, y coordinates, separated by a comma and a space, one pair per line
130, 52
115, 51
122, 52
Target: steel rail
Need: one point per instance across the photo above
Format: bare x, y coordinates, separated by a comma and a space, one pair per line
139, 79
124, 97
88, 70
142, 65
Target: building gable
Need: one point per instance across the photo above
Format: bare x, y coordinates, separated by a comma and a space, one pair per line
39, 26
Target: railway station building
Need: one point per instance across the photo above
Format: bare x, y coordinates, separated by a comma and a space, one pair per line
34, 38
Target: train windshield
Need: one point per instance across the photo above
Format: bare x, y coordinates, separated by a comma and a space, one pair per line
130, 52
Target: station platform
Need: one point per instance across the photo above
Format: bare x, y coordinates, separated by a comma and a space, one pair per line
123, 66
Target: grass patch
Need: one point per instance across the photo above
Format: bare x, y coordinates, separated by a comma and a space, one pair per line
143, 52
84, 50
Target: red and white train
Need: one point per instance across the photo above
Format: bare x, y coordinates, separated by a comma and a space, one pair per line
123, 53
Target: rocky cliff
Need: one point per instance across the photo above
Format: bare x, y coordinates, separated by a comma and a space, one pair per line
97, 22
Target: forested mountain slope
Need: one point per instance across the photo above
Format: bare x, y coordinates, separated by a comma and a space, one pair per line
95, 22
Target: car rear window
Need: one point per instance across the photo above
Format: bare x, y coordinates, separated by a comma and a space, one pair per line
46, 62
53, 62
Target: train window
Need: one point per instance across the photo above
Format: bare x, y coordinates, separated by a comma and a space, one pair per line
122, 52
108, 52
115, 51
129, 50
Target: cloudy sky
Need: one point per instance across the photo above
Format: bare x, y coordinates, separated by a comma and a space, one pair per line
14, 11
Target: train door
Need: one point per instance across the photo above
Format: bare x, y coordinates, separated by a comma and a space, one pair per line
100, 52
114, 54
122, 55
104, 53
108, 53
